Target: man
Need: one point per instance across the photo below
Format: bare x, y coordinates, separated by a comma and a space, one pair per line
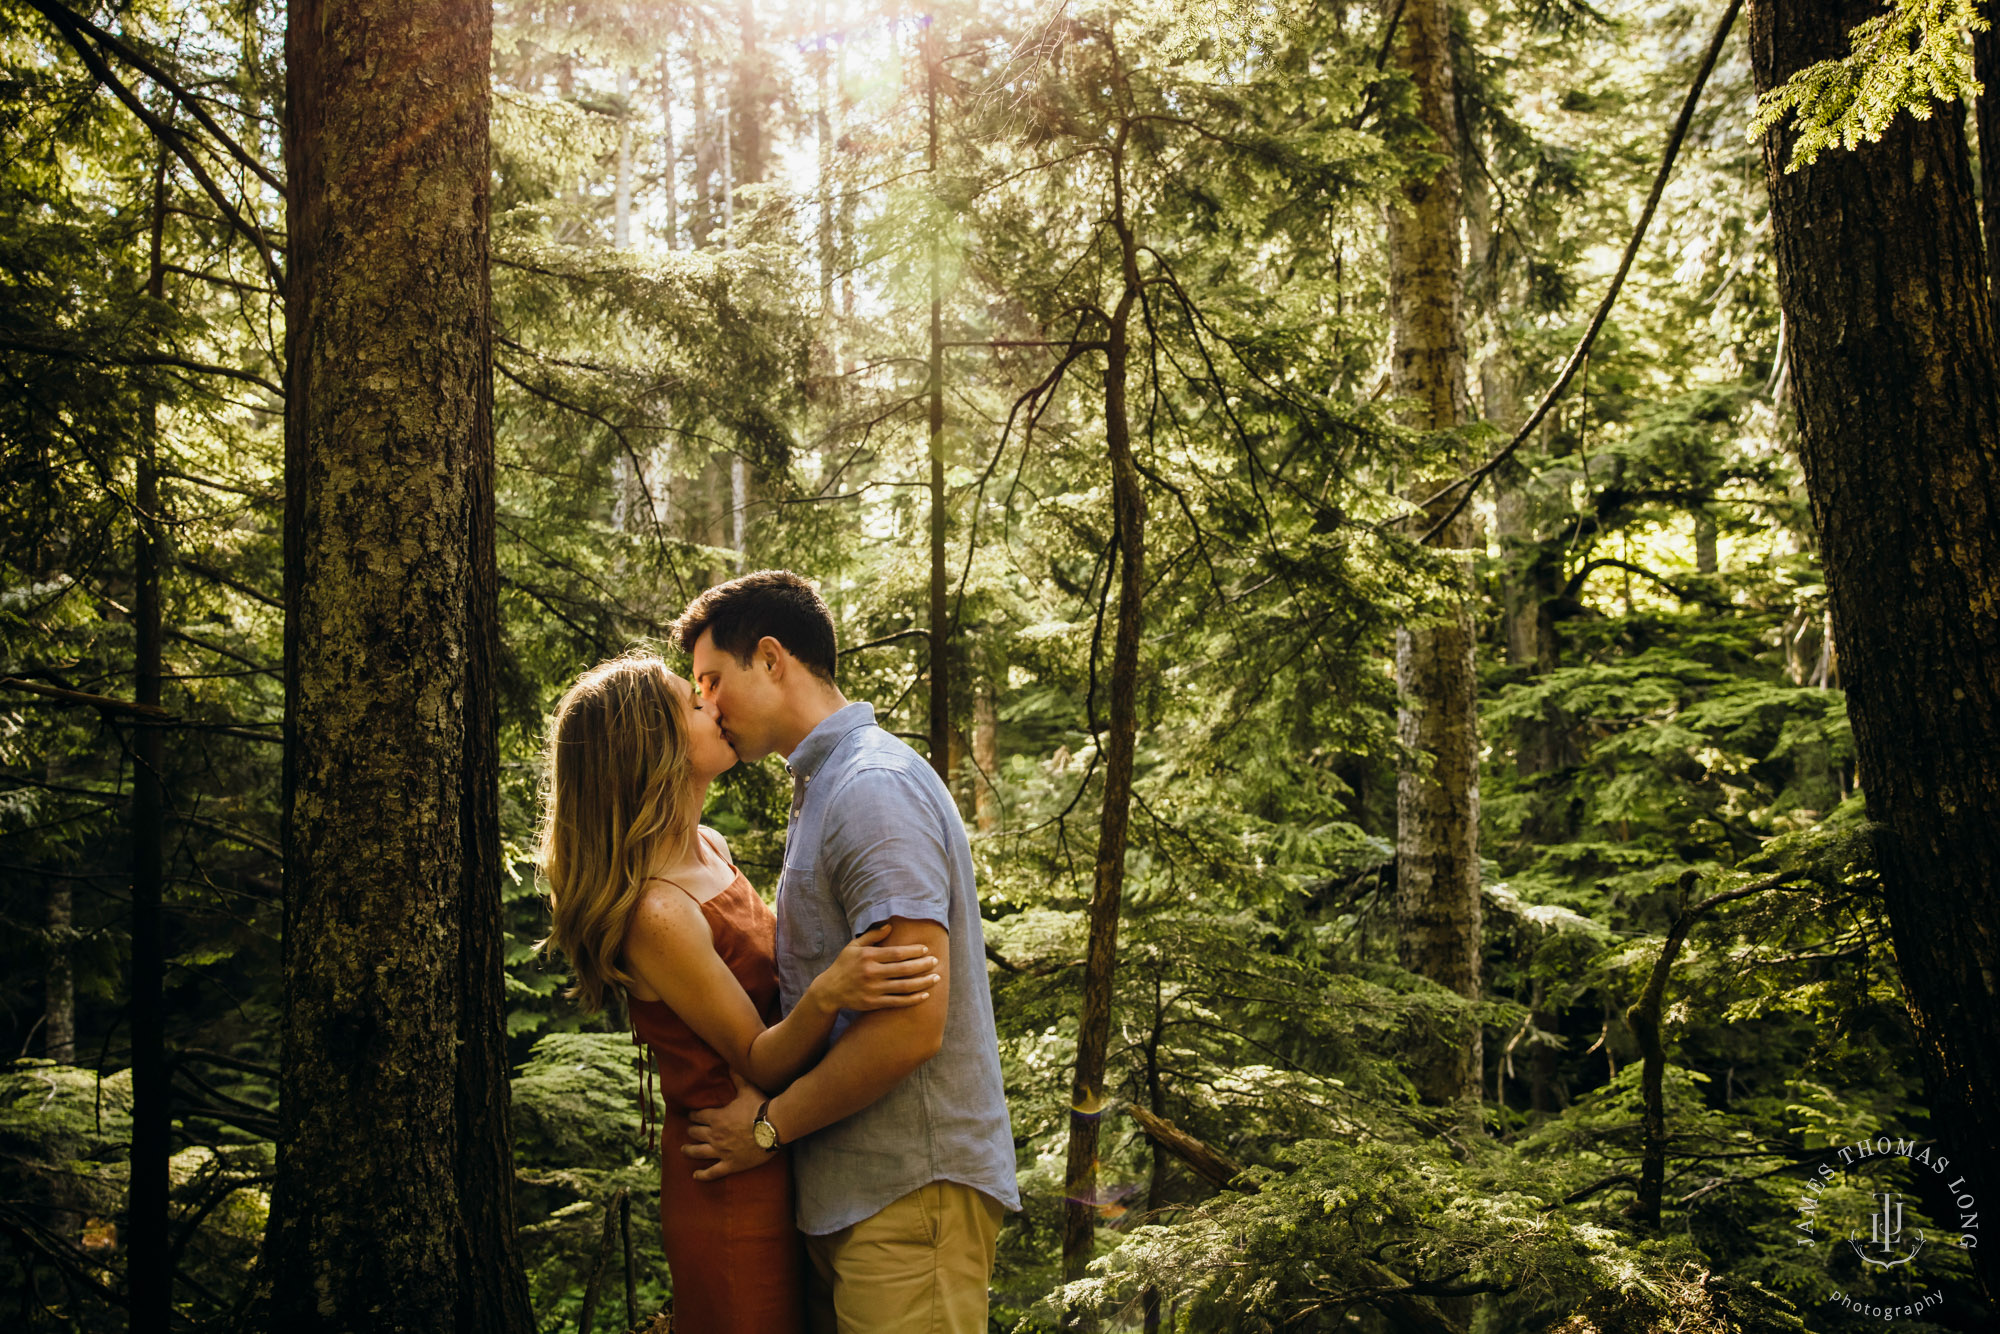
902, 1152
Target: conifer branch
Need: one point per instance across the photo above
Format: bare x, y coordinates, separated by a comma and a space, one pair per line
141, 359
76, 31
152, 70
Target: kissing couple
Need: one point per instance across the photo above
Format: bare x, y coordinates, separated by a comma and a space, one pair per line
835, 1149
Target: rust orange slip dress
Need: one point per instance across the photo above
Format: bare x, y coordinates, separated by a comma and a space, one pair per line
735, 1252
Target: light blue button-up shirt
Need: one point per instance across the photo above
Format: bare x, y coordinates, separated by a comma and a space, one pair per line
875, 834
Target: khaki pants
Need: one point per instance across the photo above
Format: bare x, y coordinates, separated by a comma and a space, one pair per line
920, 1266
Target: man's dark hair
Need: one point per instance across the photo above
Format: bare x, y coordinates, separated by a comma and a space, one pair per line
743, 611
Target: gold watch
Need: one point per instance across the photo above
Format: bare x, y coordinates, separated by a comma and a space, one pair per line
764, 1132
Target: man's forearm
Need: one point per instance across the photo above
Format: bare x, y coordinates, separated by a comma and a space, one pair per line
868, 1061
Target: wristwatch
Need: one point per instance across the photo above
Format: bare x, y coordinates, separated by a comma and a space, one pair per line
764, 1132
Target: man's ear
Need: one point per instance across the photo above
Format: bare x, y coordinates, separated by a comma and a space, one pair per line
770, 655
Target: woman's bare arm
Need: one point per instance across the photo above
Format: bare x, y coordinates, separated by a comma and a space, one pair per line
671, 949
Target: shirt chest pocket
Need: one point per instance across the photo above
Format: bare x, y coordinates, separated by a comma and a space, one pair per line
803, 929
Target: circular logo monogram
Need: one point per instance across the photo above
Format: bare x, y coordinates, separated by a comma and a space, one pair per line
1880, 1211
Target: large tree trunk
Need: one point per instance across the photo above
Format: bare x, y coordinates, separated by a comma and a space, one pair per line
1883, 281
1437, 796
1986, 112
393, 1207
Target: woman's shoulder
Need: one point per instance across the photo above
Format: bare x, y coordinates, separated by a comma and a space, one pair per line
715, 840
663, 909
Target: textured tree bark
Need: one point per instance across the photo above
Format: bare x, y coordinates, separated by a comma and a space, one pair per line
393, 1206
1128, 500
1437, 797
1883, 280
1986, 114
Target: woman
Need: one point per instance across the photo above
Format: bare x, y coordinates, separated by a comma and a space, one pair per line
647, 903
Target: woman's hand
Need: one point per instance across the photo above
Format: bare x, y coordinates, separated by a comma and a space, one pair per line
868, 976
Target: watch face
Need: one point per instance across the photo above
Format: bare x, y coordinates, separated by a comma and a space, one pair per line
765, 1135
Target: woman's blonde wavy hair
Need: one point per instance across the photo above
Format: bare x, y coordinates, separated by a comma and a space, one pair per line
615, 778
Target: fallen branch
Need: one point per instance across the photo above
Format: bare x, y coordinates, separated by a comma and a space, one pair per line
1210, 1164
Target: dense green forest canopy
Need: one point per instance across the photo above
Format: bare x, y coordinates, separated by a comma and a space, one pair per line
718, 236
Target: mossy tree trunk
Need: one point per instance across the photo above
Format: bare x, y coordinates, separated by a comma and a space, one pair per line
393, 1208
1883, 279
1437, 795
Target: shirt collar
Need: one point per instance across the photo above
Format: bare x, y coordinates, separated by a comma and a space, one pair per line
821, 741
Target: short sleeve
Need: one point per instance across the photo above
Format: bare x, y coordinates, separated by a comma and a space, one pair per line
883, 854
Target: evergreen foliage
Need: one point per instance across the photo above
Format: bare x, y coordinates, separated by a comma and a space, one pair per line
1917, 53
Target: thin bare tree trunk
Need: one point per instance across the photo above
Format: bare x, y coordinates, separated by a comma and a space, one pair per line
985, 758
701, 219
621, 190
727, 164
149, 1267
940, 636
669, 155
824, 238
59, 980
1128, 499
748, 99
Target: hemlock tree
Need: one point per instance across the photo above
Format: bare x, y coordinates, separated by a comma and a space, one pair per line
1897, 392
393, 1207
